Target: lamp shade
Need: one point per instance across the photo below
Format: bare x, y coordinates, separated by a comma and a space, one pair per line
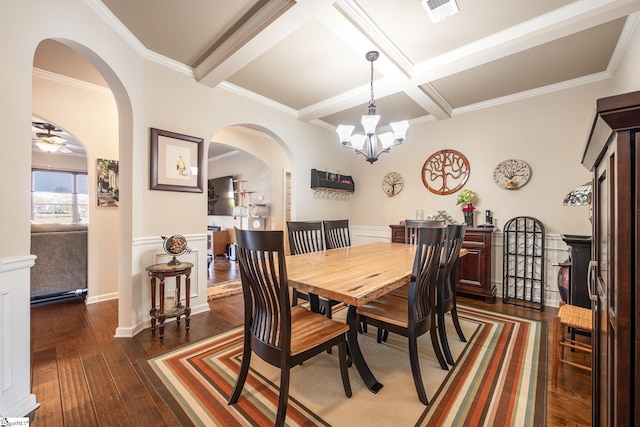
580, 196
344, 132
400, 129
369, 123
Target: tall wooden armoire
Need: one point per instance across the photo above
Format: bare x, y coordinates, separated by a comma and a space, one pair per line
612, 155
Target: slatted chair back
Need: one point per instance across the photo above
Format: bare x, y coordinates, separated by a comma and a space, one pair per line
263, 274
305, 237
336, 233
446, 294
450, 259
411, 227
424, 276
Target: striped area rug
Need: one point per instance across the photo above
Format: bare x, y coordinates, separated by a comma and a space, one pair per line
224, 289
499, 380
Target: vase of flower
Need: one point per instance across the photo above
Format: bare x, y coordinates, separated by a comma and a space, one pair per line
468, 214
465, 198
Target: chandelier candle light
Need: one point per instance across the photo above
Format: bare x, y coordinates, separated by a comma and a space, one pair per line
369, 144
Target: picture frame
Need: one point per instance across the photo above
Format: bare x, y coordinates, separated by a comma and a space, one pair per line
108, 183
176, 161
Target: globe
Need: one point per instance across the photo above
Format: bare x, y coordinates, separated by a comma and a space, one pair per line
175, 245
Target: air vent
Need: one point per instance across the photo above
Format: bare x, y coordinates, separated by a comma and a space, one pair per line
440, 9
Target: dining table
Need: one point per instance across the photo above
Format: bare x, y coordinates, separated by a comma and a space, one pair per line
353, 275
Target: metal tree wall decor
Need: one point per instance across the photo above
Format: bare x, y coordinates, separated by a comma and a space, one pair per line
445, 172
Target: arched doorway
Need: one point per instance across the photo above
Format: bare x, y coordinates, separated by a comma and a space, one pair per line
76, 89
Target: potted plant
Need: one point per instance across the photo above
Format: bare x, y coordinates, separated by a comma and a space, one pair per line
465, 197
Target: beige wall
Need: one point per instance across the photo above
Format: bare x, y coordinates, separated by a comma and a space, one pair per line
548, 132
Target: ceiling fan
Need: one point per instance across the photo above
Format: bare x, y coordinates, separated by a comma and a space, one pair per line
47, 141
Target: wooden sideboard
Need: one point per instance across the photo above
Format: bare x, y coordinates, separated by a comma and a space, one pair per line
474, 269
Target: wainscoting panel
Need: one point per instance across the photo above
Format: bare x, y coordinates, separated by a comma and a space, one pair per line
16, 399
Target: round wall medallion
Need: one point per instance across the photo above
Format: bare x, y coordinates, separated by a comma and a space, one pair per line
392, 183
445, 172
512, 174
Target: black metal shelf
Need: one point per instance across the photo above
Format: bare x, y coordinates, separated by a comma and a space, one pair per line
323, 180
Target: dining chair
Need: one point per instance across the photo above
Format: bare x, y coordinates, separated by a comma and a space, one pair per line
336, 233
281, 335
446, 290
411, 228
306, 237
446, 285
414, 316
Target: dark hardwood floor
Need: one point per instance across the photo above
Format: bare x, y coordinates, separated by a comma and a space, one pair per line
83, 376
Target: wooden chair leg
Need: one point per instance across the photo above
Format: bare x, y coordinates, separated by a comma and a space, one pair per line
344, 372
415, 370
554, 350
442, 331
283, 400
436, 347
456, 323
244, 370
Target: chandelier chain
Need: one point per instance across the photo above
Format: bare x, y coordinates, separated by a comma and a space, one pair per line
372, 102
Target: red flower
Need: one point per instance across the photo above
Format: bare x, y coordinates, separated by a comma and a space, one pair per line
468, 208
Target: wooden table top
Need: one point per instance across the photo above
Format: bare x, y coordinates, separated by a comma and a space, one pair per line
354, 275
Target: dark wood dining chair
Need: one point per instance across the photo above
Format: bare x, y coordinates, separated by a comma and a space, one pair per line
414, 316
411, 227
281, 335
336, 233
446, 289
446, 293
306, 237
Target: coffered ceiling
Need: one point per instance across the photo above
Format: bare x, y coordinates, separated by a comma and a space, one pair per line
307, 57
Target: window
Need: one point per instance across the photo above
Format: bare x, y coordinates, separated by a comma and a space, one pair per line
59, 197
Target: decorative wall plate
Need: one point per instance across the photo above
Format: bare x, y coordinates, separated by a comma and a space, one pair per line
512, 174
392, 183
445, 172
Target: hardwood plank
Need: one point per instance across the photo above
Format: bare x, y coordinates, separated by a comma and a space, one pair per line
46, 388
107, 403
76, 400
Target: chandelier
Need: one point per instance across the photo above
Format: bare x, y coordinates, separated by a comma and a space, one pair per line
368, 143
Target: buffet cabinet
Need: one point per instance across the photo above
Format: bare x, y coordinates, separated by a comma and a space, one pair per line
612, 156
474, 269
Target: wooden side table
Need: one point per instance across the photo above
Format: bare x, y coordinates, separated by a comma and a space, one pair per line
162, 271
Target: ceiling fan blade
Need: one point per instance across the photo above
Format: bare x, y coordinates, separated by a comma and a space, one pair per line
55, 139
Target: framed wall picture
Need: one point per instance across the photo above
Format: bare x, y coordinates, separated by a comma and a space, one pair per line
107, 174
176, 161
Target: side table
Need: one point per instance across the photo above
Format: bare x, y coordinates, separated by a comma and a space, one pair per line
162, 271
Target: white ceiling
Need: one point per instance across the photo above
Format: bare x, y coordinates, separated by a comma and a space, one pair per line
307, 57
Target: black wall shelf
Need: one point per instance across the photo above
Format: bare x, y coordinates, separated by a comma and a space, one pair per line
323, 180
